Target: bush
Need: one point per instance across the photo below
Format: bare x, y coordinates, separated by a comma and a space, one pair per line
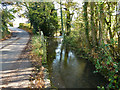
106, 64
4, 32
21, 25
24, 25
11, 24
38, 48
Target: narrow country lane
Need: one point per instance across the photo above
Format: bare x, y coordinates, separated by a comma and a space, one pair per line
14, 72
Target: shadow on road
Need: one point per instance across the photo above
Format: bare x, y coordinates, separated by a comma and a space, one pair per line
16, 67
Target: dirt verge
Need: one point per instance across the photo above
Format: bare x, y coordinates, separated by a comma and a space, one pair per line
39, 76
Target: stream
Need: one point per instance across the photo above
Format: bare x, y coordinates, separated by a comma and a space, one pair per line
68, 71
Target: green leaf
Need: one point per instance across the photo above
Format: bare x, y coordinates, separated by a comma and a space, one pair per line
115, 42
108, 62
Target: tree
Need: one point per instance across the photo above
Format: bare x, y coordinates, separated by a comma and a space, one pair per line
43, 17
6, 15
93, 30
70, 7
101, 23
85, 18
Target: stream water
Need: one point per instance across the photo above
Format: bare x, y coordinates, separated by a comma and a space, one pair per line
68, 71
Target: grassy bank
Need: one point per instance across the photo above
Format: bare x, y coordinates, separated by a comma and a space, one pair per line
36, 55
39, 77
101, 58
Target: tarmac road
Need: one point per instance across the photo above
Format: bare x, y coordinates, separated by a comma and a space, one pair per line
14, 72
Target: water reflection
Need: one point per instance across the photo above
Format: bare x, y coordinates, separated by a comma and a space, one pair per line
68, 71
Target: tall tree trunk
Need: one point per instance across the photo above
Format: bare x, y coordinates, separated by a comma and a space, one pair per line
101, 24
92, 24
68, 19
68, 22
109, 26
61, 17
118, 21
86, 24
96, 22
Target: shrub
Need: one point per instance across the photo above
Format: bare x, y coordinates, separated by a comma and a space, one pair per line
11, 24
24, 25
21, 25
4, 31
38, 48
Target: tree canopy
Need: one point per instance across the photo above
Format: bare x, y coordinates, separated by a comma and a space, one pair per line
43, 17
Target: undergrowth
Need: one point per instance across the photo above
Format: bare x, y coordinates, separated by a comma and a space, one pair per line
101, 57
37, 57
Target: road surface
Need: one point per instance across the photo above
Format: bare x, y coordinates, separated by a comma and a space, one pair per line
14, 72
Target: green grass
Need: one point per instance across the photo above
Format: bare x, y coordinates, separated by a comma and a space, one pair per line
37, 49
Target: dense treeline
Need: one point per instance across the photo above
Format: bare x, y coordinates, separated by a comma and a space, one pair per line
96, 34
101, 22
